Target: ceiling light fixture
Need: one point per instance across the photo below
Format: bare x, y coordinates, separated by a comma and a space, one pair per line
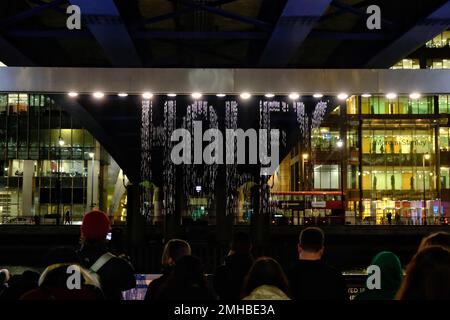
98, 94
196, 95
147, 95
342, 96
245, 95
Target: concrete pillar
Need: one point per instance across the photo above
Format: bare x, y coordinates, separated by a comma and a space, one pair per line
92, 199
135, 221
27, 188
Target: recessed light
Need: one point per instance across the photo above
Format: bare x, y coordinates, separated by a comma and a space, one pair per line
147, 95
415, 95
317, 95
269, 95
98, 94
122, 94
221, 95
72, 94
391, 95
366, 95
245, 95
342, 96
196, 95
171, 94
294, 96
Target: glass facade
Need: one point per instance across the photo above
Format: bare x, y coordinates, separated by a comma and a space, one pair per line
45, 167
393, 166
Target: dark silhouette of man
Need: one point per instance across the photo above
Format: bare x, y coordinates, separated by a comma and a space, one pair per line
229, 277
310, 278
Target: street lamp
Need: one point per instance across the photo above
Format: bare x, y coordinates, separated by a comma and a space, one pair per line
91, 155
340, 144
426, 156
61, 143
304, 158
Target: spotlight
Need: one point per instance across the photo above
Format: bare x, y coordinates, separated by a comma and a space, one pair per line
147, 95
415, 95
391, 95
366, 95
245, 95
269, 95
317, 95
98, 95
294, 96
342, 96
221, 95
196, 95
122, 94
72, 94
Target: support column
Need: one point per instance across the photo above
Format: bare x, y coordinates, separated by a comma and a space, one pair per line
92, 193
27, 188
135, 221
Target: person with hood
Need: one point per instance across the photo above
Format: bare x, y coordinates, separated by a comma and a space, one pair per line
115, 274
391, 277
229, 277
62, 265
173, 251
266, 281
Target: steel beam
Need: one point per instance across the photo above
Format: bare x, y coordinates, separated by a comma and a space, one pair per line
295, 23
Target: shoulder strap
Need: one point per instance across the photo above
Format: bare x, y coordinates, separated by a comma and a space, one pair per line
101, 262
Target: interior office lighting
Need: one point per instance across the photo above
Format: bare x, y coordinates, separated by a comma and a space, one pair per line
269, 95
317, 95
122, 94
72, 94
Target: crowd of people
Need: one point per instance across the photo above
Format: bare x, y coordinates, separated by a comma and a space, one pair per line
97, 271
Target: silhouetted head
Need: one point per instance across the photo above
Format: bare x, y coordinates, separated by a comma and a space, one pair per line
311, 243
188, 272
265, 271
174, 250
427, 276
436, 239
241, 243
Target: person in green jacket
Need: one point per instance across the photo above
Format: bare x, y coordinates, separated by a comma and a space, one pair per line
391, 277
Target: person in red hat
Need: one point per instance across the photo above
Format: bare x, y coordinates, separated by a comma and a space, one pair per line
115, 274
